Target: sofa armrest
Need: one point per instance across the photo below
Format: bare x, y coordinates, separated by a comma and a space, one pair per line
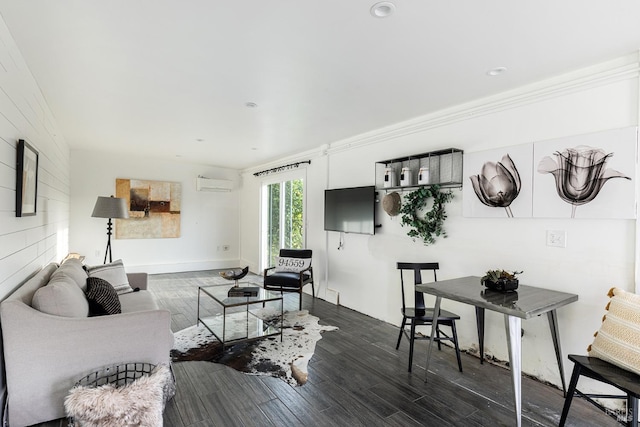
138, 280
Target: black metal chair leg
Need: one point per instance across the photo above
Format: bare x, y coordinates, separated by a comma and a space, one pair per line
632, 407
404, 322
455, 343
438, 339
411, 341
570, 392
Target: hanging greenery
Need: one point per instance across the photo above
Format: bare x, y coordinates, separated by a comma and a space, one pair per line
430, 225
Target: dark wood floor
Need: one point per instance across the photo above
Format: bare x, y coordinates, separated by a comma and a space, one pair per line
356, 378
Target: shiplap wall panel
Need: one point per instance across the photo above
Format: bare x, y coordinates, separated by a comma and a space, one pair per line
29, 243
7, 176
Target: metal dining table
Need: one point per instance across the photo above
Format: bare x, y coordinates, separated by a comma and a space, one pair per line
524, 303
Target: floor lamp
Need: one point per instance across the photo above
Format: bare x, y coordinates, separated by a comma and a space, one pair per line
110, 207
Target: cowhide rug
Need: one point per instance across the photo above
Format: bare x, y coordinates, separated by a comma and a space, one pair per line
287, 359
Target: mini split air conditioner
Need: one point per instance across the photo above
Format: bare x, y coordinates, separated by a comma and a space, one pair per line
208, 184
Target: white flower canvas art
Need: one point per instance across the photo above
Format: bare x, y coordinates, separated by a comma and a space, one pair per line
586, 176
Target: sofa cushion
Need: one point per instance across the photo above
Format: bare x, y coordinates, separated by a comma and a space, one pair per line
137, 301
114, 274
618, 340
102, 297
61, 297
72, 269
285, 279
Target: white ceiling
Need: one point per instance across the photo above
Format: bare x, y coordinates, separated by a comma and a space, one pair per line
170, 78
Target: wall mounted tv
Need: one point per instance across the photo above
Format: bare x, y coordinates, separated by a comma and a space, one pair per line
350, 210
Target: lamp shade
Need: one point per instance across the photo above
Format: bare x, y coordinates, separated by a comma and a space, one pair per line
110, 207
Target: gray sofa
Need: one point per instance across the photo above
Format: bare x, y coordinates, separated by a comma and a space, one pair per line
45, 354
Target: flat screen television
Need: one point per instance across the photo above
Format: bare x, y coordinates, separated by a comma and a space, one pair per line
350, 210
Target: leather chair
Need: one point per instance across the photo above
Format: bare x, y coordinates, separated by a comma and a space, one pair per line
288, 281
421, 315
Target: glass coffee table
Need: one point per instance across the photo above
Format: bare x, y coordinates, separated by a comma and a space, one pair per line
240, 318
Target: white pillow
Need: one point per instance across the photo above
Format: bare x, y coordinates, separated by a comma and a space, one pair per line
618, 340
114, 274
73, 270
61, 297
295, 265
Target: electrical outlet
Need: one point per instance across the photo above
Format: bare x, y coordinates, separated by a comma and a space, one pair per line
557, 238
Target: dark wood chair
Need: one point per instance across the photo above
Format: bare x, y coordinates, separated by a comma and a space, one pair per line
605, 372
287, 281
421, 315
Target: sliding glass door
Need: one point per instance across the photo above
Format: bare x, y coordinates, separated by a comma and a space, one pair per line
283, 219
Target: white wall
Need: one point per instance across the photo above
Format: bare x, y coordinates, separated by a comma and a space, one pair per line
209, 220
599, 254
28, 243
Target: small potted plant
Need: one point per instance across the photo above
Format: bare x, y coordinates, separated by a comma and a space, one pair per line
501, 280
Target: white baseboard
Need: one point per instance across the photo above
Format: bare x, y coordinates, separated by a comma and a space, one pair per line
183, 266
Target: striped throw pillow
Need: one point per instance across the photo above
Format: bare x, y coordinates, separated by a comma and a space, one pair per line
102, 297
114, 274
618, 340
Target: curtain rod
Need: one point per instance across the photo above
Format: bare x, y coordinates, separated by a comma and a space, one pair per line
281, 168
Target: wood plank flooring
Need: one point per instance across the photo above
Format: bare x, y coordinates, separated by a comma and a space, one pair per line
356, 378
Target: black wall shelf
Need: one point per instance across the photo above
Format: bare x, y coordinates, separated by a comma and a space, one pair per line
441, 167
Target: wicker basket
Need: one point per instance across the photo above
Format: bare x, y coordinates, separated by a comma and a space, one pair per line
120, 375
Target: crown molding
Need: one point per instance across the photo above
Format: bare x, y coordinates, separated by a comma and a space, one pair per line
623, 68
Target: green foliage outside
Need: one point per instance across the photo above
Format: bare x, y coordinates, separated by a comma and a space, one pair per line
292, 192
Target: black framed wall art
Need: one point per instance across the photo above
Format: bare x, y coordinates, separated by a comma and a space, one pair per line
26, 179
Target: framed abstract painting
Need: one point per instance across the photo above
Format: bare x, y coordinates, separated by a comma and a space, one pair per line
26, 179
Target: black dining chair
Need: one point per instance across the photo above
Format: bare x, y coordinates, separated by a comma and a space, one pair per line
289, 281
419, 315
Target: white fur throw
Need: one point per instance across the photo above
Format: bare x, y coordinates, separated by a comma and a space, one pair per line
139, 403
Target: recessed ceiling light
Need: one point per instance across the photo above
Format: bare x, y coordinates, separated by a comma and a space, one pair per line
496, 71
382, 9
250, 104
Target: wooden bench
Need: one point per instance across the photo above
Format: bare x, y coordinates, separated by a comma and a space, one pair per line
600, 370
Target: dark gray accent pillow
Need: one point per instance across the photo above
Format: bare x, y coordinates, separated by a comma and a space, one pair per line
102, 297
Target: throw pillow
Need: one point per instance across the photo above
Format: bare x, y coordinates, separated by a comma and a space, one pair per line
72, 269
102, 297
113, 273
295, 265
618, 340
139, 403
61, 297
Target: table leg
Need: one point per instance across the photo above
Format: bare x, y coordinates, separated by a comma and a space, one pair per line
480, 327
514, 338
555, 335
434, 328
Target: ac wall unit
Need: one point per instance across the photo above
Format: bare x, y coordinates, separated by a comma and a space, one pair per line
208, 184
